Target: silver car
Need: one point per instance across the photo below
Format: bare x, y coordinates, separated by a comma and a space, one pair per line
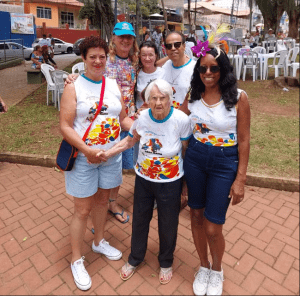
9, 50
59, 47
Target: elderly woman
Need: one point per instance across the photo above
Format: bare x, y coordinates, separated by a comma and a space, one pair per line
164, 132
216, 160
90, 181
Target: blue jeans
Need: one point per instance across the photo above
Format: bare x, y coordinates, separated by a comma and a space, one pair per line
209, 172
127, 155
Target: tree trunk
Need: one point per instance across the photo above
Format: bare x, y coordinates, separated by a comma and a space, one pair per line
294, 24
107, 16
165, 14
195, 14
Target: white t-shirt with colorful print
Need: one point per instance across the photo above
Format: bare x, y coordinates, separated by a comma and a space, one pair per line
180, 79
213, 124
159, 159
105, 130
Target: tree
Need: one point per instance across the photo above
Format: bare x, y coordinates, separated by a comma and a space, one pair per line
147, 7
88, 12
272, 11
292, 8
105, 13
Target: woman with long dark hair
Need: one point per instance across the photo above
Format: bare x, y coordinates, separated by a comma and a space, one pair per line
216, 159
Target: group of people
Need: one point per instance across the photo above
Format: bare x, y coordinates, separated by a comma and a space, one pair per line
185, 128
44, 53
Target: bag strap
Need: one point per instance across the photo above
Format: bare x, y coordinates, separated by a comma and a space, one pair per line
98, 109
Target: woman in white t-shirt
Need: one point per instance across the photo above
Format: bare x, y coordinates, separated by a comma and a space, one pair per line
164, 132
148, 70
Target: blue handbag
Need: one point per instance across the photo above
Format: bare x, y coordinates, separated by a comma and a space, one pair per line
67, 153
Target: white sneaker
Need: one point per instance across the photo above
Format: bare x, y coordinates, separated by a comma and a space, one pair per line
201, 280
215, 284
104, 248
81, 277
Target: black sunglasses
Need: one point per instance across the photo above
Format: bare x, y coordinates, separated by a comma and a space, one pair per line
170, 45
213, 69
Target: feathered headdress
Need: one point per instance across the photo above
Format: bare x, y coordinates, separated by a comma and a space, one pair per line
217, 39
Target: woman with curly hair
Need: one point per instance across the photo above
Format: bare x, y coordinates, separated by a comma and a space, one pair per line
216, 160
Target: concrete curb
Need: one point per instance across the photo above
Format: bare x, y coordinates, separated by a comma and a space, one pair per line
284, 184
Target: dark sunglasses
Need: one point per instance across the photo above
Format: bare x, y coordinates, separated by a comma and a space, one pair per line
213, 69
170, 45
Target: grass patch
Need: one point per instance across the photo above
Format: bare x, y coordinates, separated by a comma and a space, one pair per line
33, 127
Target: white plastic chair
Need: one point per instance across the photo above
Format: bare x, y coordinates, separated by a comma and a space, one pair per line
278, 63
271, 45
280, 45
78, 67
250, 61
247, 42
259, 49
291, 58
295, 67
58, 78
46, 69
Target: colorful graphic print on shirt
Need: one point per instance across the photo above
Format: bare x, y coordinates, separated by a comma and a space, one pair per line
159, 168
93, 111
152, 146
211, 139
106, 132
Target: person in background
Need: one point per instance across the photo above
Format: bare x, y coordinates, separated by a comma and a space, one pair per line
47, 57
216, 160
164, 133
44, 41
252, 40
280, 34
157, 38
90, 181
147, 36
192, 37
37, 57
247, 35
3, 107
52, 44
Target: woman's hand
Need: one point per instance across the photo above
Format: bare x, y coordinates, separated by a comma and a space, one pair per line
237, 192
92, 157
102, 155
184, 195
143, 107
71, 78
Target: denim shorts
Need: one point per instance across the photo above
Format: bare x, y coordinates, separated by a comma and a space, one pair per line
85, 179
209, 172
127, 155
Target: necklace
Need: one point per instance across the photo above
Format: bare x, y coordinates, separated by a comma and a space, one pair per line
174, 79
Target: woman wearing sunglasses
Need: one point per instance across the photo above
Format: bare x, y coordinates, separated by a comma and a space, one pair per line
216, 160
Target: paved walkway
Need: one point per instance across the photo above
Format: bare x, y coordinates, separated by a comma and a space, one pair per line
262, 242
13, 81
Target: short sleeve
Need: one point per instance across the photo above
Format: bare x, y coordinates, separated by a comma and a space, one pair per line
186, 129
133, 127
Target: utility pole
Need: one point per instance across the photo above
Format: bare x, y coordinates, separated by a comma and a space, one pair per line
137, 24
165, 14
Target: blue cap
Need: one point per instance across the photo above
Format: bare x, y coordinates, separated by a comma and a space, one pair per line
123, 28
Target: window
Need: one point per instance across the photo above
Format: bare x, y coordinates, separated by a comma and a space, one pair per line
43, 12
67, 18
2, 46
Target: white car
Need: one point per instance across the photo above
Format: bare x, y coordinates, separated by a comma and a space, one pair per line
60, 46
10, 50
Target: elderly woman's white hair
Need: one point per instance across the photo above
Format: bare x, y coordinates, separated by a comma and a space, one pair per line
163, 86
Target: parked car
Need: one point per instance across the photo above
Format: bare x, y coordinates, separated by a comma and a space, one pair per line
76, 46
60, 45
15, 50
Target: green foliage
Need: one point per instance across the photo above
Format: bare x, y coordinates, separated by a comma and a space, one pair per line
147, 6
